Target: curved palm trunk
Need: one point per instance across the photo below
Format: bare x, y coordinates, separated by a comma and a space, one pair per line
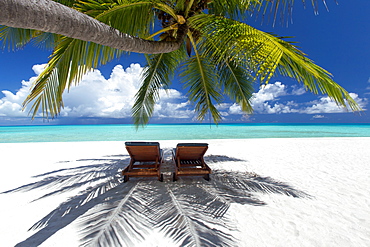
52, 17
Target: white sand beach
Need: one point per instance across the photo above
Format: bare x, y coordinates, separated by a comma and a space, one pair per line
263, 192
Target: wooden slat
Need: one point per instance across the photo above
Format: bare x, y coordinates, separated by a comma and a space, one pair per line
189, 161
192, 172
144, 153
144, 166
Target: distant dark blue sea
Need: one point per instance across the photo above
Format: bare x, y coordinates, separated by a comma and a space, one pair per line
79, 133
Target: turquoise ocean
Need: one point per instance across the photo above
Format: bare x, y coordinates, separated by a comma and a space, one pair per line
157, 132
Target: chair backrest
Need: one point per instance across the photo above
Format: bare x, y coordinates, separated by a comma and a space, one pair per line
143, 151
191, 151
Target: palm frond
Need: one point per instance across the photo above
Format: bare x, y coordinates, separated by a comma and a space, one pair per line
180, 5
69, 3
46, 40
15, 38
226, 39
315, 78
134, 17
283, 9
156, 75
234, 9
200, 77
238, 83
69, 62
131, 17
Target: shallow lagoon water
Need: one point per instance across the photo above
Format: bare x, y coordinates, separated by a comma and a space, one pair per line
156, 132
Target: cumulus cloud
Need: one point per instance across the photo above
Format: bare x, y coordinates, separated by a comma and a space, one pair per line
298, 90
261, 100
11, 104
326, 105
235, 109
266, 101
267, 93
173, 105
96, 96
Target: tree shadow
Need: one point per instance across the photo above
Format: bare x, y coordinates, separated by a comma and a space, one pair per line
191, 211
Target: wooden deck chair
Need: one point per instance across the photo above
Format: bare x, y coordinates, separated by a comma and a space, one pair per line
189, 160
146, 159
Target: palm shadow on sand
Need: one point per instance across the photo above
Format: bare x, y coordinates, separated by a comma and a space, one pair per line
189, 212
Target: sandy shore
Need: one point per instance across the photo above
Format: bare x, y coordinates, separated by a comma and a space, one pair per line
263, 192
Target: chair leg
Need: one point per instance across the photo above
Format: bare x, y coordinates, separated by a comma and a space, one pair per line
174, 177
206, 177
161, 178
125, 178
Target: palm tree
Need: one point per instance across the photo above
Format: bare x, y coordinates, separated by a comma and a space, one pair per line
209, 40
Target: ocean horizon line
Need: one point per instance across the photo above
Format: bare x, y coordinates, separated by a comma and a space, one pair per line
203, 124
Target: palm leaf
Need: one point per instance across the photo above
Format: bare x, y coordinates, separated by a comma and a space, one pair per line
69, 62
283, 9
234, 9
69, 3
238, 83
134, 17
226, 39
15, 38
156, 75
201, 79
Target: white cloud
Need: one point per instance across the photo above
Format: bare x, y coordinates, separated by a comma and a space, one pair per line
279, 108
326, 105
260, 100
11, 104
298, 90
96, 96
269, 92
322, 105
235, 109
266, 101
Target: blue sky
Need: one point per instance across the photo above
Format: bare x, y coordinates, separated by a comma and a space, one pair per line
338, 40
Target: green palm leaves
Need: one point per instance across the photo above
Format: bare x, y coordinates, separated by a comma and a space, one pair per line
156, 76
264, 54
220, 55
70, 60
